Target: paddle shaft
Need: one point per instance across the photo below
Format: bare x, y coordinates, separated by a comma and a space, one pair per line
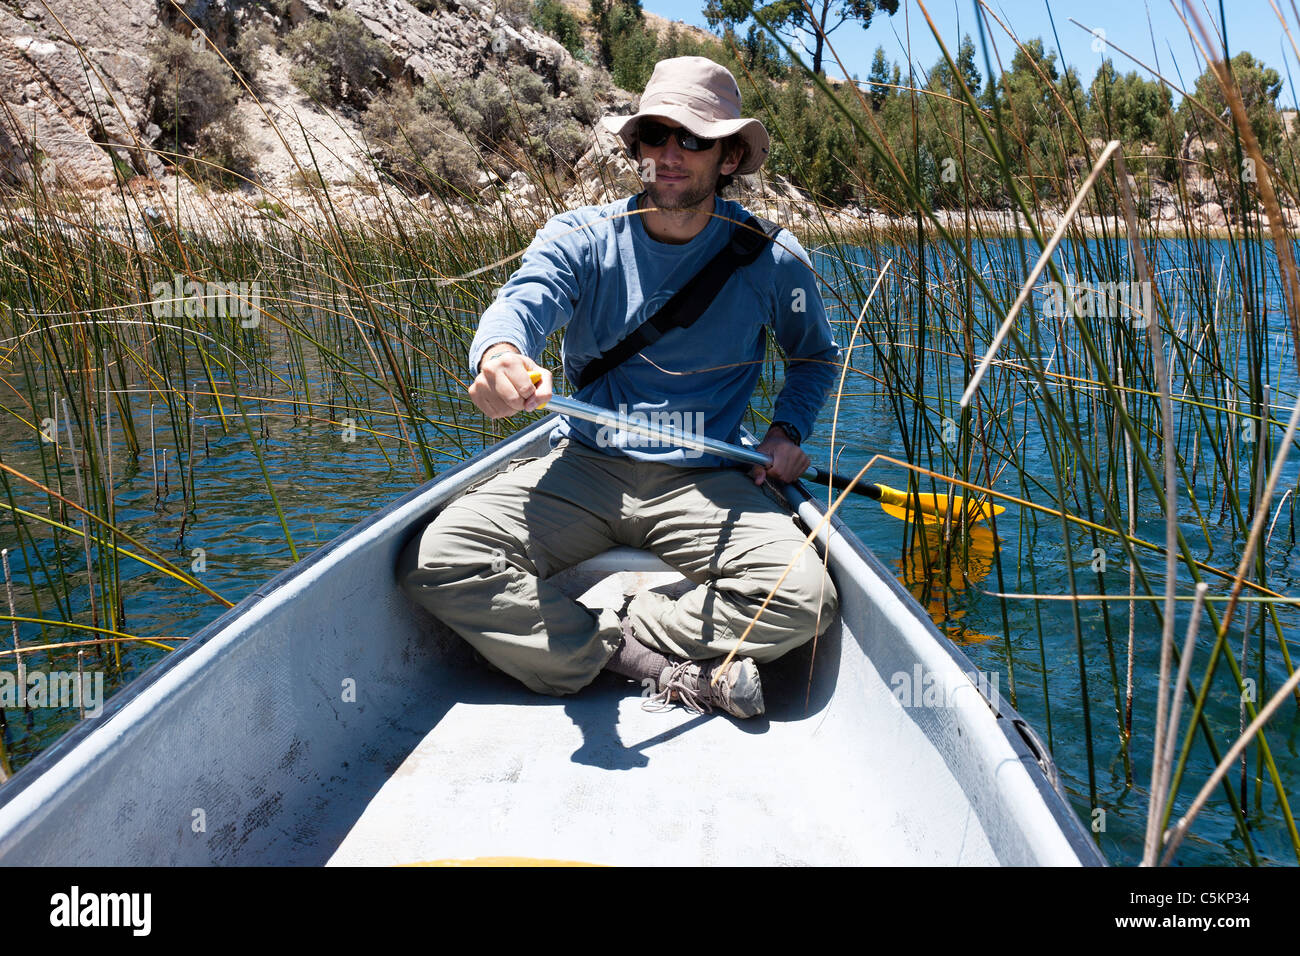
674, 436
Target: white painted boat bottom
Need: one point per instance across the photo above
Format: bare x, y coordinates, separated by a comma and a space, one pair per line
596, 779
625, 798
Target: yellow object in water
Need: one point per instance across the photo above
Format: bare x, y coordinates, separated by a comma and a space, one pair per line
933, 508
935, 572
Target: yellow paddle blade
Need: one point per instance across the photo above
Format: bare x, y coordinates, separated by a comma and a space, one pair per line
949, 564
934, 508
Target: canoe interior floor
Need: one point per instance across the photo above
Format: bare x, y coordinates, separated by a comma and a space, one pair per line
594, 778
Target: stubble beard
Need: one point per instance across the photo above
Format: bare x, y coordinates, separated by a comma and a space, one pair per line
685, 200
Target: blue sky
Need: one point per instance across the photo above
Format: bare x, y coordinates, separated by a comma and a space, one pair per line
1148, 29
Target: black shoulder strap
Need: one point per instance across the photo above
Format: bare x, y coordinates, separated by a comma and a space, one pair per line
690, 301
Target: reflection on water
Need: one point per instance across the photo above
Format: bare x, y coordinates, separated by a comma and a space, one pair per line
938, 567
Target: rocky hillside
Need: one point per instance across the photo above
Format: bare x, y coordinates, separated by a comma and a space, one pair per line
75, 74
81, 103
74, 89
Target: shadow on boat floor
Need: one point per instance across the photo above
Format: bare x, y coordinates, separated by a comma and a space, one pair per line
477, 727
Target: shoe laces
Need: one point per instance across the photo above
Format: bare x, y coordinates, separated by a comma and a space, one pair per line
695, 698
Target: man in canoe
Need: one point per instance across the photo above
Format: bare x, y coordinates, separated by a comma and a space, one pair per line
599, 273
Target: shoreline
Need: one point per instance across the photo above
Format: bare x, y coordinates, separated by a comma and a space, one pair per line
213, 213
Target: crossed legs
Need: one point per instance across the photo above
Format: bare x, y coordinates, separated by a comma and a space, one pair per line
482, 566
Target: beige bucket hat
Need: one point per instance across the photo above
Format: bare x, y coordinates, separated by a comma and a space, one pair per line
700, 95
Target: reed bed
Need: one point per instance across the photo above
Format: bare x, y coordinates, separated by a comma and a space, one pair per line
1103, 422
1144, 453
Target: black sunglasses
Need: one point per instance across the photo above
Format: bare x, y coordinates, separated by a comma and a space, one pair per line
656, 134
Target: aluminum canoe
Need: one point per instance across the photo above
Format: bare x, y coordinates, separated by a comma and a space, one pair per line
327, 720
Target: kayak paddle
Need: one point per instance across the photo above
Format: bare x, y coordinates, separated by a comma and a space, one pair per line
933, 508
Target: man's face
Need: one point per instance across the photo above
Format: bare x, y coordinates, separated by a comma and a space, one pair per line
680, 178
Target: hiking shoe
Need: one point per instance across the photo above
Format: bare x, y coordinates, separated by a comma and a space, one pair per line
738, 691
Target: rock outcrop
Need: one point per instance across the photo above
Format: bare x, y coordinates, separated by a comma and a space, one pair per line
74, 90
74, 74
460, 39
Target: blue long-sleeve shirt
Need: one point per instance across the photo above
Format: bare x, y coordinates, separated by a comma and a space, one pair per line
597, 274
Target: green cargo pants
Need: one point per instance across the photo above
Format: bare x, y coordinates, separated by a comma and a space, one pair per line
481, 566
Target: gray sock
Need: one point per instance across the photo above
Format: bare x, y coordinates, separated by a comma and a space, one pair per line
633, 659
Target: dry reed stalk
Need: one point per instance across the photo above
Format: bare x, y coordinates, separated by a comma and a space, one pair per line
1171, 510
1164, 768
1177, 832
835, 417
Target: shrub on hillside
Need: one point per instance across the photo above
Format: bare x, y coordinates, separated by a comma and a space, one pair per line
194, 99
498, 109
418, 144
562, 125
517, 13
337, 60
222, 156
568, 142
581, 93
482, 107
554, 18
253, 38
516, 109
527, 88
633, 47
191, 89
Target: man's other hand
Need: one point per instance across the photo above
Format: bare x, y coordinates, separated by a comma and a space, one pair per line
788, 459
503, 387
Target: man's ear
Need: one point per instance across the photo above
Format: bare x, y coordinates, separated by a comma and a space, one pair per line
733, 159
